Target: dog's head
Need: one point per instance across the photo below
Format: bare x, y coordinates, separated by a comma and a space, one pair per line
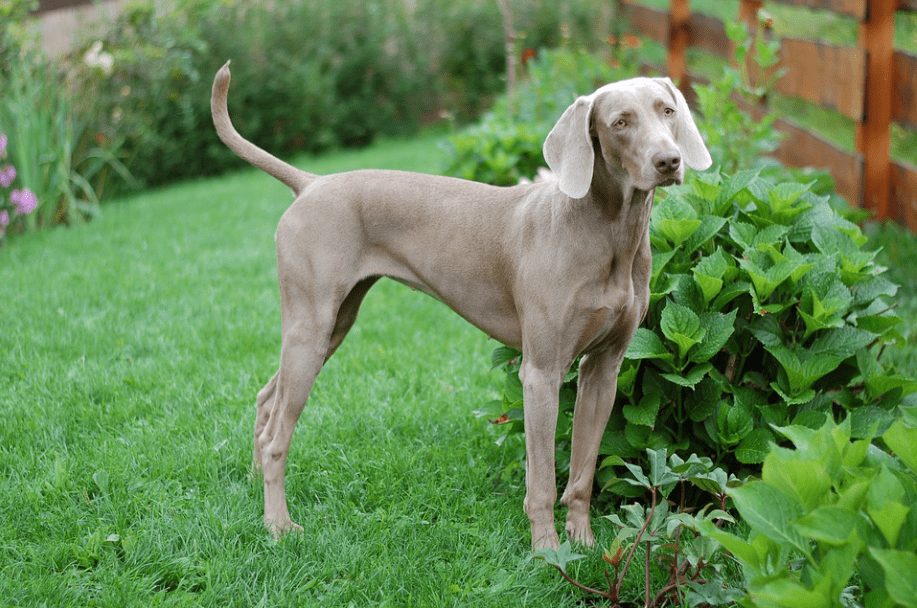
642, 127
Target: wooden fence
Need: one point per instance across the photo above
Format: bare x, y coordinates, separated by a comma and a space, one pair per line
872, 83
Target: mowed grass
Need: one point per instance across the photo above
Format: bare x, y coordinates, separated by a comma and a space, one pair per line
131, 351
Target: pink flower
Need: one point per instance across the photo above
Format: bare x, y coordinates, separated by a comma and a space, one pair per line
2, 145
4, 220
24, 200
7, 175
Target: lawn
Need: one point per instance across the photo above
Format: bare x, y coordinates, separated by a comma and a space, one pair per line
133, 348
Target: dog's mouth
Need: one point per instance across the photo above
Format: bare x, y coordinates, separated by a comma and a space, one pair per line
671, 181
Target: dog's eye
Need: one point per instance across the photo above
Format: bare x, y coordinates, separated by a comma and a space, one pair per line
620, 124
669, 112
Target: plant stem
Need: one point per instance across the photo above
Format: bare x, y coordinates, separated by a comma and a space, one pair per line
604, 594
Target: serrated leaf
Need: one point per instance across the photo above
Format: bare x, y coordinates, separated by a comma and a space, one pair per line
755, 446
718, 328
743, 234
703, 400
899, 568
709, 226
674, 220
503, 355
902, 439
829, 524
644, 413
646, 344
770, 512
690, 379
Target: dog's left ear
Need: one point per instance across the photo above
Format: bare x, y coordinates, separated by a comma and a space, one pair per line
568, 149
688, 139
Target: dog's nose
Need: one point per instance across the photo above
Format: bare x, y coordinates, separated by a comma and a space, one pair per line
667, 162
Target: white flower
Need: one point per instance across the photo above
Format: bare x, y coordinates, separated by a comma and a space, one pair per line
96, 58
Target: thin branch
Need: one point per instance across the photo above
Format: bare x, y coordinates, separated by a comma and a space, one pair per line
604, 594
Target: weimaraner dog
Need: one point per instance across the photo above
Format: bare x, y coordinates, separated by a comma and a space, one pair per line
556, 269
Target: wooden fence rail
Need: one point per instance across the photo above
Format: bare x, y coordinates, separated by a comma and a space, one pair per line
872, 83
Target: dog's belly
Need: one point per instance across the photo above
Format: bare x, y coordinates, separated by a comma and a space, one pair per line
482, 305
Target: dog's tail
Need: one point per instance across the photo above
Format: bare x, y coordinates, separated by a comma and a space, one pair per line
294, 178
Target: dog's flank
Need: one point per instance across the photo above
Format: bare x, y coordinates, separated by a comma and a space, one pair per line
557, 269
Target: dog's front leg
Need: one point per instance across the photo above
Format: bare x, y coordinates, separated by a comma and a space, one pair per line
595, 397
540, 396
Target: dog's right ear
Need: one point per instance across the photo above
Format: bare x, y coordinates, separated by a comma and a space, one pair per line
568, 149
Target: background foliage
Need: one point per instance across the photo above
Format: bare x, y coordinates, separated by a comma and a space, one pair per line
308, 75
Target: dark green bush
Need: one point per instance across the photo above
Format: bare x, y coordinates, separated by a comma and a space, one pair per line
307, 75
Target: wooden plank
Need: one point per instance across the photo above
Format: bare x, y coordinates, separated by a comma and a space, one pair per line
832, 76
854, 8
647, 21
873, 140
907, 5
904, 89
903, 207
804, 149
709, 34
676, 58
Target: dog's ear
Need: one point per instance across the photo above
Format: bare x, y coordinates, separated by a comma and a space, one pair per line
688, 138
568, 149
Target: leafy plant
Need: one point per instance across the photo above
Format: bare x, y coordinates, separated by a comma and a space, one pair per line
694, 567
737, 136
829, 509
17, 203
505, 146
45, 143
764, 311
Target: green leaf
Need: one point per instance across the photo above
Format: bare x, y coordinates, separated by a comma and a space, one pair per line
743, 234
709, 226
739, 547
767, 280
829, 524
645, 412
708, 273
681, 325
755, 446
885, 505
733, 423
902, 439
690, 379
803, 368
718, 328
558, 558
503, 355
899, 568
703, 400
770, 511
647, 345
674, 220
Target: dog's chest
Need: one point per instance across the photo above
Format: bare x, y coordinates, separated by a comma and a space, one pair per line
612, 321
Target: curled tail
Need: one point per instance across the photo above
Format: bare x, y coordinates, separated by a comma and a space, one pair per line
294, 178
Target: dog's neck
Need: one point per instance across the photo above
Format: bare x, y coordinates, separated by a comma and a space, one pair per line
620, 202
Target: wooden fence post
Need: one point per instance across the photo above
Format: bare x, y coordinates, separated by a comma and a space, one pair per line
873, 140
678, 41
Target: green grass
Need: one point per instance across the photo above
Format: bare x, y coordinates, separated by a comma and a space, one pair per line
132, 350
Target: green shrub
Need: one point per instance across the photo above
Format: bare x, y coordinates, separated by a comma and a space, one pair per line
506, 145
764, 311
49, 144
826, 510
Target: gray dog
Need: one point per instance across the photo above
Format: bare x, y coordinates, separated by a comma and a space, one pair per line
557, 269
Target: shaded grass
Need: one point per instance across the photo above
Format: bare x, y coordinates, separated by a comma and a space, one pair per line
133, 348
